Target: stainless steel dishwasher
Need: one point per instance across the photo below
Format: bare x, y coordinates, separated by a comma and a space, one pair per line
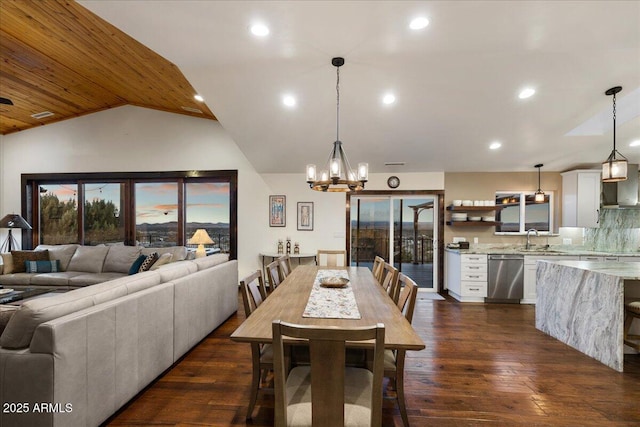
505, 278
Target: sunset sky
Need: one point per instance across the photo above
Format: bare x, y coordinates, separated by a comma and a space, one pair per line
157, 202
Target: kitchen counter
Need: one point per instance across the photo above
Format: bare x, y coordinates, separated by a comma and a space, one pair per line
581, 303
539, 250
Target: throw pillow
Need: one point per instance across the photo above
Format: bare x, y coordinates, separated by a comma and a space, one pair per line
42, 266
136, 264
148, 262
19, 258
164, 259
7, 262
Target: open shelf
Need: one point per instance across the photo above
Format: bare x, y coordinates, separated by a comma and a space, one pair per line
473, 208
473, 223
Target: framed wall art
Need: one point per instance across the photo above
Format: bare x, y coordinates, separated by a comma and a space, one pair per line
305, 216
277, 211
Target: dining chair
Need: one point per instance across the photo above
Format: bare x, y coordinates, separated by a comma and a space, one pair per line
389, 280
253, 293
274, 274
285, 265
378, 261
331, 258
394, 359
328, 393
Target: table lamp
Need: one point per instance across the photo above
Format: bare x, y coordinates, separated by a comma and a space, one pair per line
200, 238
12, 221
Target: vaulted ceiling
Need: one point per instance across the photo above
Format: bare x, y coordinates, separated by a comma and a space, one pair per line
456, 82
58, 57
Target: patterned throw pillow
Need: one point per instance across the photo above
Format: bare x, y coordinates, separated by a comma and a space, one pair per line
42, 266
19, 258
148, 262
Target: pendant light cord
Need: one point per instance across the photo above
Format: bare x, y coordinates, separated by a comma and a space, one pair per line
614, 124
338, 103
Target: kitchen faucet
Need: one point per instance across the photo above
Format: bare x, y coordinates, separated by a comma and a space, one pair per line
528, 234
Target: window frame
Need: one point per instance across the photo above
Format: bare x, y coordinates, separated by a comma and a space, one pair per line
522, 229
30, 184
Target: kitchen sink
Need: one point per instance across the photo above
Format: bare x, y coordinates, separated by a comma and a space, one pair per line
541, 250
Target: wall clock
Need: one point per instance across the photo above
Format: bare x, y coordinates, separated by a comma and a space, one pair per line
393, 182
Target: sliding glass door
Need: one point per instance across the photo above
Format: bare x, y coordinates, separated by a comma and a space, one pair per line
400, 229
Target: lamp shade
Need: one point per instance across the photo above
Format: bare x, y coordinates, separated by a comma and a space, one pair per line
200, 238
14, 221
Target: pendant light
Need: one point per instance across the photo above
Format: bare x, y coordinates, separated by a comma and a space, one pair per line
614, 169
539, 197
338, 176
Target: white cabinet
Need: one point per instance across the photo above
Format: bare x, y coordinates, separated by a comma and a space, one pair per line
581, 198
466, 276
629, 259
530, 264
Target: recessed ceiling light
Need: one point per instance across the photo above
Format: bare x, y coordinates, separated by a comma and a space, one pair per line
198, 98
259, 30
419, 23
495, 145
289, 101
635, 143
526, 93
389, 98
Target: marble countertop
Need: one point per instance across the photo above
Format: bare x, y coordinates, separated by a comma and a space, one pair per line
625, 270
539, 250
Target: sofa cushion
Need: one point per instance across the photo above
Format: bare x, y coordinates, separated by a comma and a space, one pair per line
211, 260
179, 253
19, 258
60, 252
120, 258
175, 270
135, 267
88, 279
24, 322
89, 259
164, 259
7, 263
19, 279
42, 266
54, 279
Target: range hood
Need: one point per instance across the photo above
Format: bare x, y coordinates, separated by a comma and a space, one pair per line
622, 194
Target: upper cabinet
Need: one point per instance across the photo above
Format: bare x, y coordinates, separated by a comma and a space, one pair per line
581, 198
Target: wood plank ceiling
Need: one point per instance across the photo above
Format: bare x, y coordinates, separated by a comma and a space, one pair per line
57, 56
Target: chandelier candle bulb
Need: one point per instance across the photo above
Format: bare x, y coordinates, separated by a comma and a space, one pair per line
311, 173
363, 171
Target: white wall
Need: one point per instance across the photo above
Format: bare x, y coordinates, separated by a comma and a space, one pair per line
136, 139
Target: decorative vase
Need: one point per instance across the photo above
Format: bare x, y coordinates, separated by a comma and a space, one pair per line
280, 247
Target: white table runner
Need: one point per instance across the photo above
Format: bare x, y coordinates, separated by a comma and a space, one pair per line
331, 303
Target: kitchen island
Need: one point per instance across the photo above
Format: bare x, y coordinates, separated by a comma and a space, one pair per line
581, 303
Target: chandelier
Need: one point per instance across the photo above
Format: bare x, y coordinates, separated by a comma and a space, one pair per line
338, 175
614, 169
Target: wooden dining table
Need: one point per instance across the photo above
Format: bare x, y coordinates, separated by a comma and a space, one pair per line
288, 301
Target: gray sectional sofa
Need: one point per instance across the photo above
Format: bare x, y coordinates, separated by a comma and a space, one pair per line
75, 358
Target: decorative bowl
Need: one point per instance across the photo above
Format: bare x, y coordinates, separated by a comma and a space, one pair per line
334, 282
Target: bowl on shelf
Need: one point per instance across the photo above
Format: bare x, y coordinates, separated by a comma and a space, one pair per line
467, 203
489, 218
457, 203
475, 218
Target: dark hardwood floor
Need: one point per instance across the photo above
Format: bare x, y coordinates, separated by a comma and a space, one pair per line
484, 365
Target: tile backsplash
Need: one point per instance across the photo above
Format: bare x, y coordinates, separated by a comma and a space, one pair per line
619, 231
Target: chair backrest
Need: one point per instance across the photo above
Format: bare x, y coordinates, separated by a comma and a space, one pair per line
285, 265
389, 281
408, 295
331, 258
378, 262
253, 292
274, 274
327, 351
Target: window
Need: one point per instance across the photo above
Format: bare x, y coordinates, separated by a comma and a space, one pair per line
519, 212
152, 209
